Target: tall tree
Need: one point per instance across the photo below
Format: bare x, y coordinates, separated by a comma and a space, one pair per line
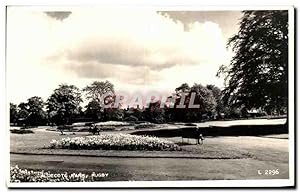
184, 88
98, 89
13, 113
217, 93
32, 112
203, 97
94, 111
100, 93
36, 111
113, 114
23, 111
154, 113
63, 104
257, 75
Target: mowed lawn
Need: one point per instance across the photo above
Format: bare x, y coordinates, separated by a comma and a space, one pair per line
38, 143
218, 158
214, 147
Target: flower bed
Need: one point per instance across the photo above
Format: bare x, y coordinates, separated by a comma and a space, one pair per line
24, 175
115, 142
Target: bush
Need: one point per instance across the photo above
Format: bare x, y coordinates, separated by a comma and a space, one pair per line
24, 175
144, 126
64, 127
21, 131
115, 142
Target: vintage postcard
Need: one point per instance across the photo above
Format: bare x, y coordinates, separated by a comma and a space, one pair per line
120, 96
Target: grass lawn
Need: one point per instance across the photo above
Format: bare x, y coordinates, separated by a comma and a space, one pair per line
218, 148
40, 140
229, 158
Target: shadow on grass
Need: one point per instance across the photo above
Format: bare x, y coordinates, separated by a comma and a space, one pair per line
235, 130
184, 143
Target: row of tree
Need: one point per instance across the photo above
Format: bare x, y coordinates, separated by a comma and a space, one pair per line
63, 106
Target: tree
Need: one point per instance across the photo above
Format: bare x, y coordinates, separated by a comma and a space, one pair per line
63, 104
93, 110
32, 112
154, 113
37, 115
172, 113
113, 114
97, 90
23, 112
257, 74
100, 93
217, 93
203, 97
13, 113
184, 88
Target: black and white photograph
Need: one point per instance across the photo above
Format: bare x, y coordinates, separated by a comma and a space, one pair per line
150, 96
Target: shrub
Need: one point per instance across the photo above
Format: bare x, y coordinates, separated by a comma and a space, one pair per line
145, 126
115, 142
24, 175
21, 131
64, 127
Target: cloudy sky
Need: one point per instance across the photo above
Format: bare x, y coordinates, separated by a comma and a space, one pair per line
136, 49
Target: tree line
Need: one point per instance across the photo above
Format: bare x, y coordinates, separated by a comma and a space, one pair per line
64, 106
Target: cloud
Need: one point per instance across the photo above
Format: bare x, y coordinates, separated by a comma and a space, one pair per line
136, 39
139, 75
59, 15
133, 48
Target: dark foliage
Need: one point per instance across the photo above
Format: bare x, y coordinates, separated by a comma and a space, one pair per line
64, 104
21, 131
236, 130
257, 75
